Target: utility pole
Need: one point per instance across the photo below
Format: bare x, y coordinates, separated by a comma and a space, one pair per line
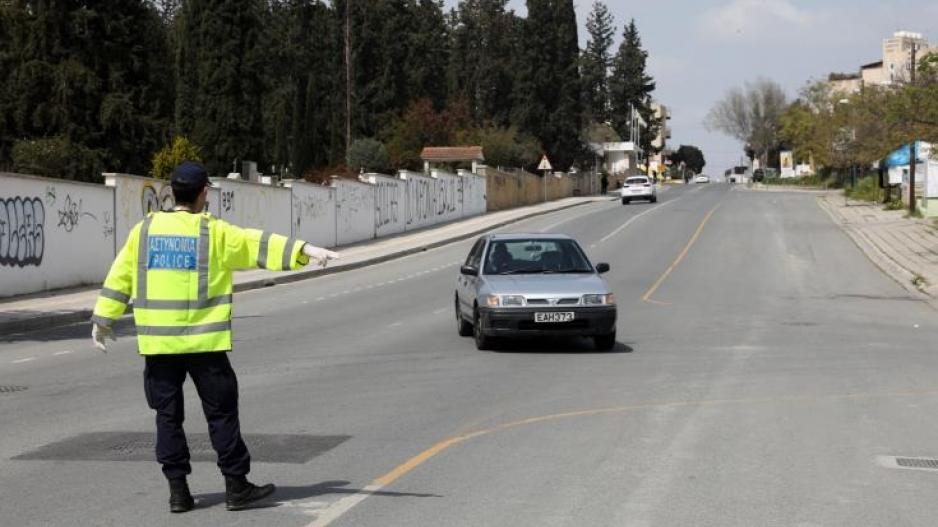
348, 76
912, 155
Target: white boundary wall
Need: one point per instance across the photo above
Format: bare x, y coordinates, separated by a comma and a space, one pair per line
355, 211
390, 201
56, 233
314, 209
53, 233
256, 206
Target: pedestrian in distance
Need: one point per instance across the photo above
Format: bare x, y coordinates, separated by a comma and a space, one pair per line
176, 267
604, 183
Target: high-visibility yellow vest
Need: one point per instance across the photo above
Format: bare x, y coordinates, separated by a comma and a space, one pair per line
177, 268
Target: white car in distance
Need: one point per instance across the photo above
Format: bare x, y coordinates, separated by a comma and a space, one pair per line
702, 179
638, 187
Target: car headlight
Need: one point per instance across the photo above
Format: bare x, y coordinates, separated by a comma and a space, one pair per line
504, 300
512, 300
599, 300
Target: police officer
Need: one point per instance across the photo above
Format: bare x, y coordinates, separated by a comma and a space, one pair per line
177, 267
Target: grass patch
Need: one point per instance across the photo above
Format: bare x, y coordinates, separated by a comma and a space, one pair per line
866, 189
820, 182
895, 204
919, 281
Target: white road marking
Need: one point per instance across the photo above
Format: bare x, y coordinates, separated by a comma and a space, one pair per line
633, 218
338, 508
20, 361
66, 352
320, 299
395, 324
441, 310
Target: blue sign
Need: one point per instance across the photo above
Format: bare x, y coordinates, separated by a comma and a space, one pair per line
900, 157
172, 252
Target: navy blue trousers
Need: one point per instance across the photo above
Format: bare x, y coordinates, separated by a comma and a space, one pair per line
217, 386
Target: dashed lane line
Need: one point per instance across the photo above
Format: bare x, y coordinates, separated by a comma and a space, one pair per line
20, 361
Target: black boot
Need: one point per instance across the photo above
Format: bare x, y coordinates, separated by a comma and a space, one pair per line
241, 493
180, 500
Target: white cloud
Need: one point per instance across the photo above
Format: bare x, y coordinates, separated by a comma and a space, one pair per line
756, 20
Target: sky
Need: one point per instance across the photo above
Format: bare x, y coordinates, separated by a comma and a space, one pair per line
699, 49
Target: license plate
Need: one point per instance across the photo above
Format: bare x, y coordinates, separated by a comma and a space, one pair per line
553, 317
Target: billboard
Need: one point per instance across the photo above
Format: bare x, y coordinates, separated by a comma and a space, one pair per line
787, 163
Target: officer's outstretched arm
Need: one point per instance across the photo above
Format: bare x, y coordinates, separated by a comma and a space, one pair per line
252, 248
116, 292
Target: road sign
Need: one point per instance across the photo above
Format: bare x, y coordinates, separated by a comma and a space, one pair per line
545, 164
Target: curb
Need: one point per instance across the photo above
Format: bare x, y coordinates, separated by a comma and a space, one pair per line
45, 321
879, 258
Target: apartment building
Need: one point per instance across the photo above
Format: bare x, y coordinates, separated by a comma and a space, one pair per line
894, 68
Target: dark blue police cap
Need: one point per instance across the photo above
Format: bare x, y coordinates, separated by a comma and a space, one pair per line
190, 175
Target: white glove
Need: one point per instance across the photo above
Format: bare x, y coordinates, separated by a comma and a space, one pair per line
321, 256
99, 335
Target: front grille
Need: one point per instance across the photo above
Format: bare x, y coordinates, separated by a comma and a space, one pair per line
538, 302
568, 301
551, 326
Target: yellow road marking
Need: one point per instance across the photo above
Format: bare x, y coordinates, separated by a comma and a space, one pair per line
651, 291
337, 509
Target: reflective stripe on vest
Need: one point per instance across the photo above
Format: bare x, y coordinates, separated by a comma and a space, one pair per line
182, 331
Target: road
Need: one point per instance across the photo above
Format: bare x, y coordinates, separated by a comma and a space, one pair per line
766, 374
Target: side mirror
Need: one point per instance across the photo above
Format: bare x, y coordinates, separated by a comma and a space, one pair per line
602, 268
468, 270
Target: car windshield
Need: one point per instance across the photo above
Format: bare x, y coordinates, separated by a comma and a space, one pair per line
636, 181
534, 256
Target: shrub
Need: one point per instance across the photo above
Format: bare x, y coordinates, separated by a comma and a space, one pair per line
866, 189
171, 155
368, 154
57, 157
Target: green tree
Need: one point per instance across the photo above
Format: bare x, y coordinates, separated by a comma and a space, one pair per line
482, 70
631, 87
93, 79
596, 63
691, 156
369, 155
549, 87
219, 84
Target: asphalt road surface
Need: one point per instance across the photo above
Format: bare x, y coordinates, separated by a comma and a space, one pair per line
766, 374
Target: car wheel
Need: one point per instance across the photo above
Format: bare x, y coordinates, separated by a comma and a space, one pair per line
605, 342
462, 327
625, 201
483, 341
654, 199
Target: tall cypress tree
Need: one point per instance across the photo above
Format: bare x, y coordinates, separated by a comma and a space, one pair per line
427, 53
482, 68
597, 63
219, 82
549, 88
90, 81
631, 86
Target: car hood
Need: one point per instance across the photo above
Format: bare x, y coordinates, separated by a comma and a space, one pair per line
545, 284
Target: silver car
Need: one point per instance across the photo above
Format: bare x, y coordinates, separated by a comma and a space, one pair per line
515, 285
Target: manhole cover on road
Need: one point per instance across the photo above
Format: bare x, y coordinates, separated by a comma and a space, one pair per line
912, 462
12, 389
138, 446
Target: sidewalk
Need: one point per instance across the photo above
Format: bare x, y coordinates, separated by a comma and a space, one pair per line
904, 248
27, 313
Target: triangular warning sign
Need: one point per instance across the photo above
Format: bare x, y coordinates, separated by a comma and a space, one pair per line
545, 164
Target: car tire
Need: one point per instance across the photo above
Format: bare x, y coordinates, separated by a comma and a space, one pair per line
462, 327
483, 341
654, 199
605, 342
625, 201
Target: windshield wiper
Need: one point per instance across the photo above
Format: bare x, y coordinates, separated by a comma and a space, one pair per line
566, 271
522, 271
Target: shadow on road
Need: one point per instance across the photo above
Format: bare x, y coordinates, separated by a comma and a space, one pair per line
286, 495
557, 346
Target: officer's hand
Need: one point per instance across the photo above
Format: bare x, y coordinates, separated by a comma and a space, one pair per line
321, 256
99, 335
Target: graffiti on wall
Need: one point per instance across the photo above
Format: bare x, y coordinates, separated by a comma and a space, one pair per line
71, 213
22, 231
387, 207
420, 200
310, 208
153, 199
227, 200
447, 196
108, 224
